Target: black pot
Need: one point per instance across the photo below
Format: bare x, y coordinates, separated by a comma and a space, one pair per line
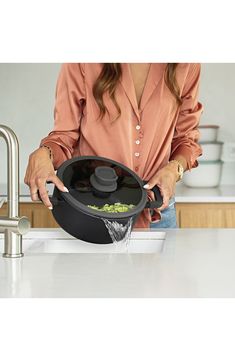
96, 181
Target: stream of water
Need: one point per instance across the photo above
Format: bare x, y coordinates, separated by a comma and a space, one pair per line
119, 233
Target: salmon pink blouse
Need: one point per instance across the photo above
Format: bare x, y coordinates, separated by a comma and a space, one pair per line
143, 139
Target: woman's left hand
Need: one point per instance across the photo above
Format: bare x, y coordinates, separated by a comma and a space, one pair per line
165, 179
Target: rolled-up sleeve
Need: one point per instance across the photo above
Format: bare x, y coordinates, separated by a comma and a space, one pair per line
70, 97
186, 134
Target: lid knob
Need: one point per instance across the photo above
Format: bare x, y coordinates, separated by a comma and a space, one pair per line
104, 179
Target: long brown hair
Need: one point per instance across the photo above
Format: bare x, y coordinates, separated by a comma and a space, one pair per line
109, 76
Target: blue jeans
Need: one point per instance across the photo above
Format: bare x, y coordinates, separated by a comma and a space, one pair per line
168, 219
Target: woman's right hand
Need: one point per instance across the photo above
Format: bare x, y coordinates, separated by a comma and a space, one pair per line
40, 170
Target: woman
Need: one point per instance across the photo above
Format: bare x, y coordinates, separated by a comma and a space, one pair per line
143, 115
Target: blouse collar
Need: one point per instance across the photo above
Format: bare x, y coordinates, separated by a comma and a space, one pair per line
155, 74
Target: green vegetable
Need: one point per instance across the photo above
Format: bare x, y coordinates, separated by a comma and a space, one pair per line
113, 208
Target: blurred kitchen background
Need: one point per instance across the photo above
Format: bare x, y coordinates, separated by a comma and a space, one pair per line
27, 96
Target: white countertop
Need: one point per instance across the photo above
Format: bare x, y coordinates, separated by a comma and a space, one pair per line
192, 263
222, 194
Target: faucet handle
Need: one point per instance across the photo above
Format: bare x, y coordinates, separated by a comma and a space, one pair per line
2, 201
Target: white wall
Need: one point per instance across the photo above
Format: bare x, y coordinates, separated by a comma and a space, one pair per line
27, 93
217, 93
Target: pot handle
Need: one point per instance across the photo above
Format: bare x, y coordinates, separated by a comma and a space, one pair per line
54, 201
158, 198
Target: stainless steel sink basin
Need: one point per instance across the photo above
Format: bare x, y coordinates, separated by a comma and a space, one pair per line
58, 241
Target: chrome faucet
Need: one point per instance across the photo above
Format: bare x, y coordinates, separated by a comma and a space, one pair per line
12, 226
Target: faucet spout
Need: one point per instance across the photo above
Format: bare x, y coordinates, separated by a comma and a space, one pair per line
11, 225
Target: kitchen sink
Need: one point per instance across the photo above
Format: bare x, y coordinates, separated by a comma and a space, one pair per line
58, 241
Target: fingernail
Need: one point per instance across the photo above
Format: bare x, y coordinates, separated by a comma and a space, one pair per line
66, 190
146, 186
50, 208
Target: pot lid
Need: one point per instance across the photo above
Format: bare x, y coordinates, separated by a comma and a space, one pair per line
94, 182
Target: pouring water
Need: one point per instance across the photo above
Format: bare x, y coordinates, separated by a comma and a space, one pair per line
119, 233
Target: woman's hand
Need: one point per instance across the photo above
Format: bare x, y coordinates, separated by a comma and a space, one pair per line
165, 179
40, 170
